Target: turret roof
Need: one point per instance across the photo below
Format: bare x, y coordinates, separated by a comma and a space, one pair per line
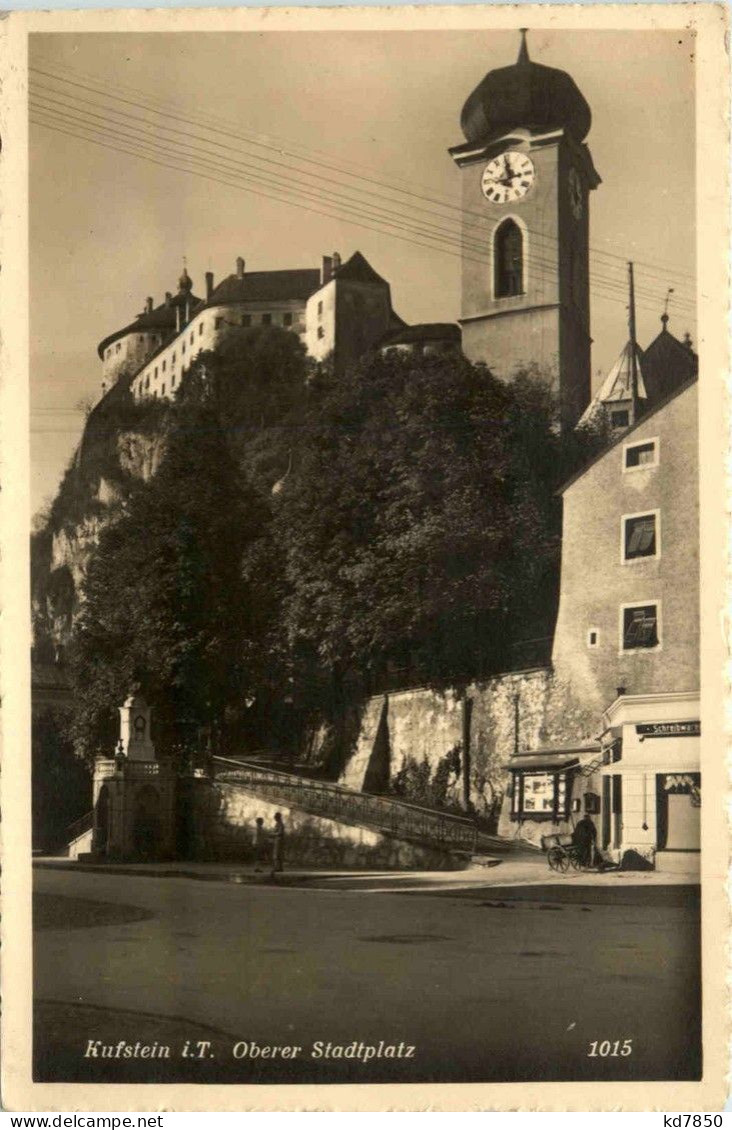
525, 94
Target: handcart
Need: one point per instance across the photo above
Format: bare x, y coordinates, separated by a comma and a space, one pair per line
561, 852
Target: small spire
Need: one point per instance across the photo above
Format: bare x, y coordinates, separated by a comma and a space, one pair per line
664, 316
523, 56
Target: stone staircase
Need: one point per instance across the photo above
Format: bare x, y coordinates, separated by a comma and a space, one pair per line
384, 814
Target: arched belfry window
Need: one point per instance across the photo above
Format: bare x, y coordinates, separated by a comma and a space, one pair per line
508, 260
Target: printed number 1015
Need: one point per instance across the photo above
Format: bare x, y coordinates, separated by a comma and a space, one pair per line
605, 1048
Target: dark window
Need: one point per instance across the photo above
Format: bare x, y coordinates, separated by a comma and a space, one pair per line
640, 627
162, 391
592, 638
266, 319
183, 347
118, 347
287, 319
619, 419
321, 332
147, 380
218, 323
320, 309
639, 537
640, 453
508, 257
246, 319
200, 328
191, 337
163, 366
140, 339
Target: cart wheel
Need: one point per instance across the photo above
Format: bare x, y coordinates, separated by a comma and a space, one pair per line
575, 860
556, 859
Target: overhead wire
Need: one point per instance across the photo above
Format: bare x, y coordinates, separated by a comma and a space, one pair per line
439, 239
603, 289
423, 227
103, 90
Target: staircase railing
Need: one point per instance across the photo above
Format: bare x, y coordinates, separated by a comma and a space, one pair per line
324, 798
79, 827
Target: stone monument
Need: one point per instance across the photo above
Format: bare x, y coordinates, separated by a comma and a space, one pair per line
134, 793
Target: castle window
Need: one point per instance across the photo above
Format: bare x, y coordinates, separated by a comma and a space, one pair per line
246, 319
191, 337
320, 309
321, 332
620, 419
640, 455
183, 347
147, 379
119, 346
266, 319
639, 627
163, 366
640, 536
287, 319
508, 260
200, 328
593, 637
162, 391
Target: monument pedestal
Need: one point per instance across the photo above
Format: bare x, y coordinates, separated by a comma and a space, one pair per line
134, 794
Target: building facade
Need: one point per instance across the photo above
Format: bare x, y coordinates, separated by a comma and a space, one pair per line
627, 645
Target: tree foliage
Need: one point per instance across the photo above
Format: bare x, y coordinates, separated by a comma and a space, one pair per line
414, 525
165, 604
420, 522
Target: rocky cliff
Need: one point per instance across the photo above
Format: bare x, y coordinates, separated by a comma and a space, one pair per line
122, 443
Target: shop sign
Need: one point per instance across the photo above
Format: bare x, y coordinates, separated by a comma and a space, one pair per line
668, 730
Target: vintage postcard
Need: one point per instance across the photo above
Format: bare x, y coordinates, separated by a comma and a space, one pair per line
364, 551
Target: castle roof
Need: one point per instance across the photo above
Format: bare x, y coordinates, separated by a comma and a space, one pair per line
668, 363
266, 286
358, 269
663, 367
162, 318
525, 94
618, 383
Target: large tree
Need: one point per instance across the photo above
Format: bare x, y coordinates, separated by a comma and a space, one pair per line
419, 524
166, 606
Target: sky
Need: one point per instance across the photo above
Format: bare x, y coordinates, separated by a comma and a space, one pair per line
108, 229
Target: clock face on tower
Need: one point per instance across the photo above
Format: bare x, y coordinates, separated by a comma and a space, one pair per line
508, 177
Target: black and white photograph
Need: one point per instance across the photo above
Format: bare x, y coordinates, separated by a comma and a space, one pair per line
375, 717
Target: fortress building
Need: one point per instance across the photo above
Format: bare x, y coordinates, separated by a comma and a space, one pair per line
340, 310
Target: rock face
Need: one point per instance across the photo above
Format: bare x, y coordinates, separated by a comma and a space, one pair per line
114, 452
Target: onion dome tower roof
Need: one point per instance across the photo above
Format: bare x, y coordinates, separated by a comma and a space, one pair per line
525, 94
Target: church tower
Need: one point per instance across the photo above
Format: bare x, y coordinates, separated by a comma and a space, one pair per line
526, 180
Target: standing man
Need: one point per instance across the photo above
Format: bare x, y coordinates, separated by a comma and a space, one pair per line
260, 846
278, 843
584, 837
